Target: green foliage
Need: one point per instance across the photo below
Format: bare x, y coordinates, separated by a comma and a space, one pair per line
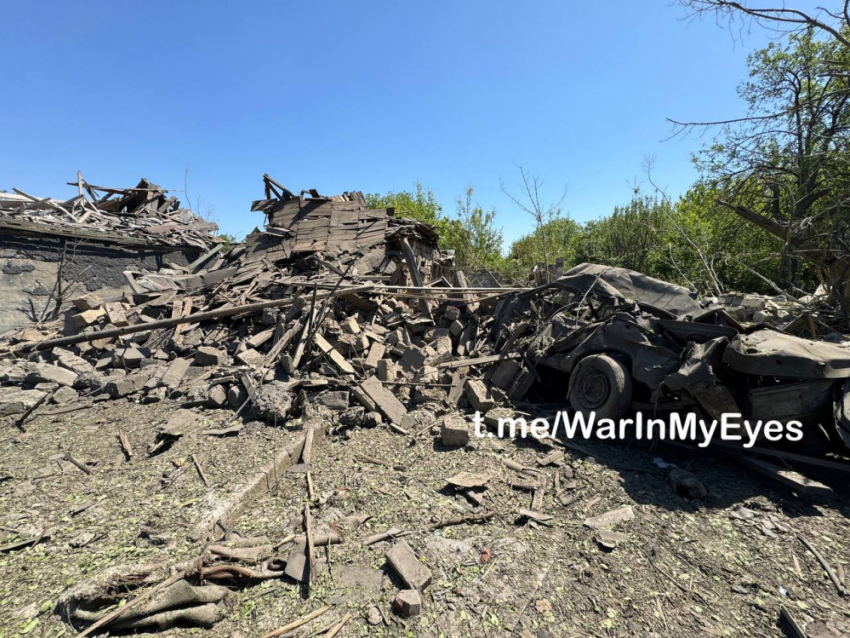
479, 244
647, 234
472, 233
771, 182
631, 237
788, 161
559, 234
420, 205
690, 242
734, 248
229, 241
696, 241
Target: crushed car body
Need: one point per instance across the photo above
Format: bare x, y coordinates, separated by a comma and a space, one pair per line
630, 341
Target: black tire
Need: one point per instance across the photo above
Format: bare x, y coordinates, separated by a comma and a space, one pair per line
602, 385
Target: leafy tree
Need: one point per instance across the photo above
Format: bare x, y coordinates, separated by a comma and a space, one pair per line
630, 237
480, 245
558, 234
421, 205
665, 240
785, 167
735, 252
472, 234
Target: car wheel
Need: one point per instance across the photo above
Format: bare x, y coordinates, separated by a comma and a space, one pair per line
602, 385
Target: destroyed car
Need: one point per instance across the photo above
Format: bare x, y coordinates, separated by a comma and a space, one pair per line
628, 341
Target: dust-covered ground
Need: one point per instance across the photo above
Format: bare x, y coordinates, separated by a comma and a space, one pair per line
722, 566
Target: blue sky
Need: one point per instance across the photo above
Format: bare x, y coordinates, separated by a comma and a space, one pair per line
367, 95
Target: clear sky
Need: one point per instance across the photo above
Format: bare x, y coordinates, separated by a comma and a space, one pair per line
368, 95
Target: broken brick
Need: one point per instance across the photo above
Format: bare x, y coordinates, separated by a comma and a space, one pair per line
409, 568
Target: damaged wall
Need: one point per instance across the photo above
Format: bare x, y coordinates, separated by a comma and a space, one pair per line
30, 265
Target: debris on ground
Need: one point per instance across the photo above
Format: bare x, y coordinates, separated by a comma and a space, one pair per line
345, 328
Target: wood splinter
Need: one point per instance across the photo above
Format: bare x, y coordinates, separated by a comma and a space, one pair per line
829, 571
125, 445
338, 627
200, 469
295, 624
374, 461
311, 550
306, 458
76, 463
460, 520
311, 490
392, 532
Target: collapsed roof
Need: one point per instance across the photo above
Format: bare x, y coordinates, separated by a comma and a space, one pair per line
342, 228
315, 240
142, 215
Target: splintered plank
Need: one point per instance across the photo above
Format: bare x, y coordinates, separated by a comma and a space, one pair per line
794, 480
334, 355
185, 311
302, 342
463, 363
385, 400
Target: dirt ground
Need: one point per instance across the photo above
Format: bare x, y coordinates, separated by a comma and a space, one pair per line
687, 568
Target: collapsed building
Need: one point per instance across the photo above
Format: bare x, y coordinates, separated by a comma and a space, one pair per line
54, 250
354, 314
366, 300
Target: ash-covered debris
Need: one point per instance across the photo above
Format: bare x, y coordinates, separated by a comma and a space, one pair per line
328, 287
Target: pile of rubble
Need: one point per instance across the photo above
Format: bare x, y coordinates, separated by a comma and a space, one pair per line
809, 315
357, 313
144, 212
329, 288
364, 306
332, 306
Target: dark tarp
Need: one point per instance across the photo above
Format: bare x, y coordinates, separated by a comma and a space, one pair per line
641, 288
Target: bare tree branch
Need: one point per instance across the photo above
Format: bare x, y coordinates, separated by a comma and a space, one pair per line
529, 202
781, 17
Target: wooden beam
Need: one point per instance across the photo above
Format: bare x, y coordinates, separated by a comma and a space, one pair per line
790, 478
463, 363
170, 323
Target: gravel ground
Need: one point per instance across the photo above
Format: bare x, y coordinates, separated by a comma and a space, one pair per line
724, 565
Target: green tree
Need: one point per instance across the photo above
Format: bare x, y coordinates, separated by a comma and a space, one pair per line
785, 166
421, 205
560, 235
736, 252
630, 237
695, 242
480, 245
471, 234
